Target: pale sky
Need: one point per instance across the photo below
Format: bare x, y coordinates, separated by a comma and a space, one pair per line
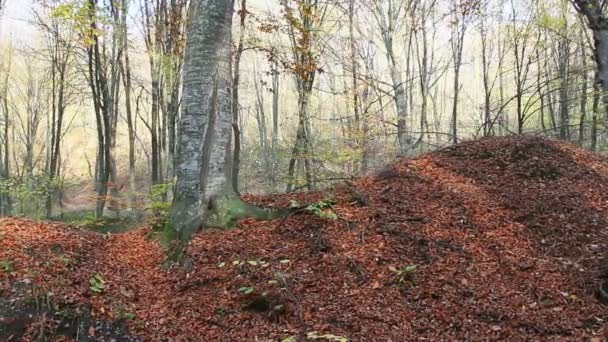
14, 20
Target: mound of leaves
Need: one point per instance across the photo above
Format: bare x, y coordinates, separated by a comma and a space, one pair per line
499, 239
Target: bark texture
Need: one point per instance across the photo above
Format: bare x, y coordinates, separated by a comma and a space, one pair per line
204, 194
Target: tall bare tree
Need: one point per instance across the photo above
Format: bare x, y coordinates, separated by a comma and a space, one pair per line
389, 16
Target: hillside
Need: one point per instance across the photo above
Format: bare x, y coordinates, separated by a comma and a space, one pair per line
499, 239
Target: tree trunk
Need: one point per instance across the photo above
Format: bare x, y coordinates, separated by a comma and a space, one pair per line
400, 104
261, 121
275, 123
236, 158
354, 74
204, 194
301, 150
596, 107
598, 23
98, 82
583, 104
488, 122
6, 172
564, 116
126, 70
457, 64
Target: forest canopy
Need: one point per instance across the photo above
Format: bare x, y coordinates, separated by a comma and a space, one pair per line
320, 91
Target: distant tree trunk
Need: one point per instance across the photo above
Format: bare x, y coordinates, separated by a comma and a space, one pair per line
596, 107
163, 23
354, 74
502, 122
275, 122
125, 66
423, 70
301, 149
5, 205
389, 17
60, 57
541, 93
583, 104
400, 103
302, 32
154, 126
4, 155
457, 48
103, 105
261, 121
550, 103
436, 115
564, 66
488, 122
236, 158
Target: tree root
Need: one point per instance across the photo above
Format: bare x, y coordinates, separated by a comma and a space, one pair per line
223, 212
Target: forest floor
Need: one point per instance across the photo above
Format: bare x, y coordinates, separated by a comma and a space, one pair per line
499, 239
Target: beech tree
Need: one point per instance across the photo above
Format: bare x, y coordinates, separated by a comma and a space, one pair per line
204, 194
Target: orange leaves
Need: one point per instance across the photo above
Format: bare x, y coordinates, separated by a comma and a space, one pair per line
503, 252
303, 20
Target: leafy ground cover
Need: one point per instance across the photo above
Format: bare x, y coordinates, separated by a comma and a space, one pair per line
499, 239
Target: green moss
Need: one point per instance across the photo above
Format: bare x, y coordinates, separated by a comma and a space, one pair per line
228, 210
166, 236
225, 212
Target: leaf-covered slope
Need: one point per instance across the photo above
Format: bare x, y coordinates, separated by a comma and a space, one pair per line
509, 238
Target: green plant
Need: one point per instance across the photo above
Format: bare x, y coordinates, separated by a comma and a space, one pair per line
126, 316
323, 209
279, 280
96, 283
159, 206
7, 265
404, 274
315, 335
159, 214
246, 289
221, 311
66, 261
30, 193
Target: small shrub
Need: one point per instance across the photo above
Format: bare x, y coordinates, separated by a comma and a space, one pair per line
7, 265
123, 315
96, 283
314, 335
159, 207
404, 274
323, 209
246, 290
67, 262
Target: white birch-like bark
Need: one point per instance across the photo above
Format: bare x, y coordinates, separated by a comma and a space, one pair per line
202, 166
